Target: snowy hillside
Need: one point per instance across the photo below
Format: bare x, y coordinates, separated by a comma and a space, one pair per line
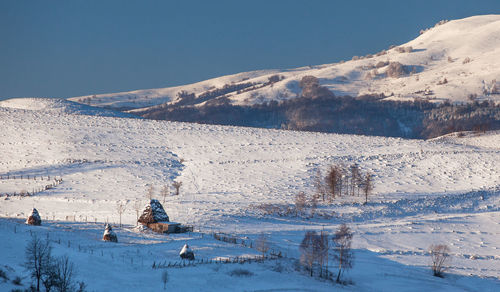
456, 61
59, 106
444, 190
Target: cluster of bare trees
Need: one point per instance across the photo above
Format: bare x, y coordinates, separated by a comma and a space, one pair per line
53, 273
341, 181
165, 191
315, 250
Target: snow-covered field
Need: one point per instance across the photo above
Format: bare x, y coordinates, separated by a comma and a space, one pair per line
456, 61
444, 190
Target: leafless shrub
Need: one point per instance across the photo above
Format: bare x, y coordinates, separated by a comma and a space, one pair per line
439, 258
17, 281
177, 186
355, 58
396, 70
408, 49
441, 82
441, 22
275, 78
240, 273
450, 59
466, 60
262, 244
3, 275
381, 64
383, 52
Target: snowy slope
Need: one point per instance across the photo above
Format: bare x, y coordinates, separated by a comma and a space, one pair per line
456, 61
442, 190
59, 106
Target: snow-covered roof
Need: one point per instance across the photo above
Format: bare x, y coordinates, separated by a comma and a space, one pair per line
153, 213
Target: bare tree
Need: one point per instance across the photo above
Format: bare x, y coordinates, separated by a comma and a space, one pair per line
320, 185
342, 249
164, 279
314, 204
439, 257
164, 193
150, 193
300, 203
323, 251
355, 174
262, 244
137, 208
307, 251
333, 180
177, 186
38, 258
65, 272
367, 186
120, 208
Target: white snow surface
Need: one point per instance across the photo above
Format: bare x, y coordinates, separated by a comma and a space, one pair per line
444, 190
457, 61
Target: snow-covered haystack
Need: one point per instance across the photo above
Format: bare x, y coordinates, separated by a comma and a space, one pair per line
109, 234
153, 213
34, 218
186, 253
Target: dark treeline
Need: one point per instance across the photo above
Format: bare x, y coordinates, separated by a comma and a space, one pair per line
320, 110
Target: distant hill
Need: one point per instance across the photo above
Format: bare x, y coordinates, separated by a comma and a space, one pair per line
456, 60
443, 81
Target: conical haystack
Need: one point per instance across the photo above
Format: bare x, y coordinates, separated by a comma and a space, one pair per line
109, 234
186, 253
34, 218
153, 213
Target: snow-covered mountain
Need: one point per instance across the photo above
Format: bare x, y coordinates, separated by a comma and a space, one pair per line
456, 60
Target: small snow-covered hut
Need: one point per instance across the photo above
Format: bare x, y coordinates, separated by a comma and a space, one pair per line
34, 218
109, 234
186, 253
155, 217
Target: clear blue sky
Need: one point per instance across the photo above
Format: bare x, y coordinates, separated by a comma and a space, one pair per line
71, 48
